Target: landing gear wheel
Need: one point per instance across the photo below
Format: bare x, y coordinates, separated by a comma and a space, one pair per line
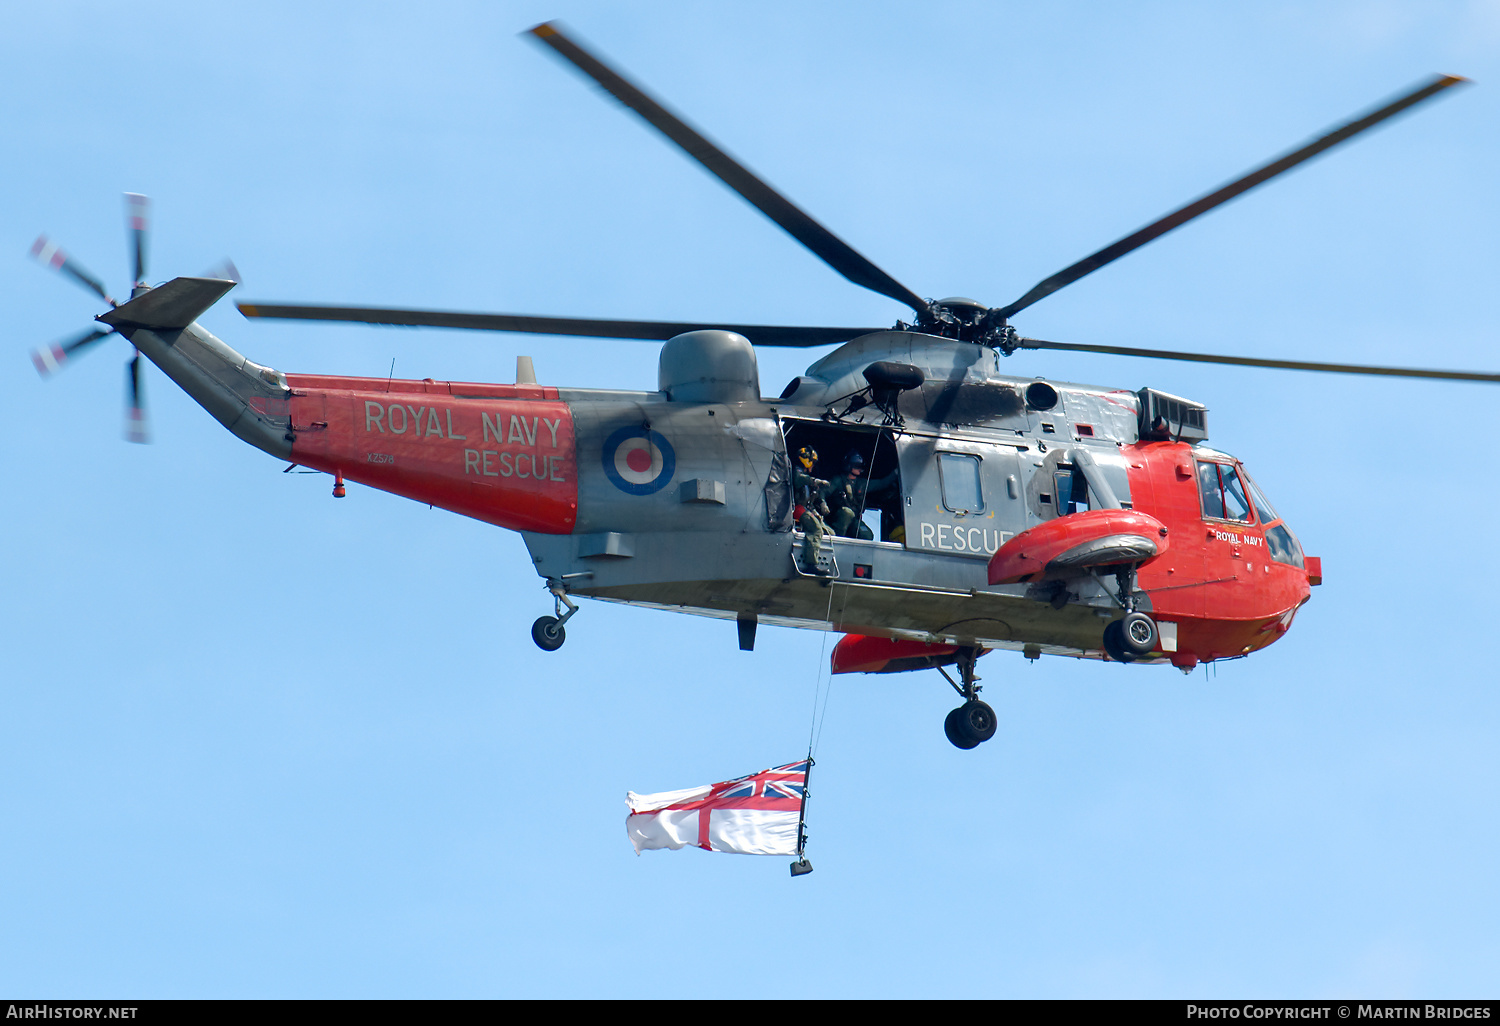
971, 724
977, 720
1138, 632
954, 729
1114, 643
548, 633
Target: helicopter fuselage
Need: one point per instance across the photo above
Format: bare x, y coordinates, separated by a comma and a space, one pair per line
669, 499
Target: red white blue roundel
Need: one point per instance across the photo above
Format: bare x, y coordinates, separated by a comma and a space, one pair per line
638, 461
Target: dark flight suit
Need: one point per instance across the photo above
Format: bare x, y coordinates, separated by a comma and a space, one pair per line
846, 498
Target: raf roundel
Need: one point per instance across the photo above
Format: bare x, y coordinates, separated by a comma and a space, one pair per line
638, 461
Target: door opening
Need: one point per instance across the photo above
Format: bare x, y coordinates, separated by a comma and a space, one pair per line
856, 472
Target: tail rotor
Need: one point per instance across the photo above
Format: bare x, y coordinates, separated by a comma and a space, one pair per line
51, 358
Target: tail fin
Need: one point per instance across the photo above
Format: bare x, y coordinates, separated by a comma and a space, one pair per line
169, 307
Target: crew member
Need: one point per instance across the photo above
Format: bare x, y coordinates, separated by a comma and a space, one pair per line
846, 496
811, 506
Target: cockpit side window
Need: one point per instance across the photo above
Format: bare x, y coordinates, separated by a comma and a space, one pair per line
1235, 503
1222, 494
1209, 491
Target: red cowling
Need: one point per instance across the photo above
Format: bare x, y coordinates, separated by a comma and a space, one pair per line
857, 653
1073, 543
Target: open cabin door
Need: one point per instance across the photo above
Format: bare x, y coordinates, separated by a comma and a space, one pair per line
963, 497
878, 511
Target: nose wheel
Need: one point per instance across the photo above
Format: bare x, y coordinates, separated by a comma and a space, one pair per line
974, 722
547, 631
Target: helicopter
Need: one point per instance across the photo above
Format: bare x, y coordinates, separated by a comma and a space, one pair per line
980, 511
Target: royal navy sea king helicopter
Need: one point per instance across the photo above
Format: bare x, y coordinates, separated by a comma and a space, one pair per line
991, 510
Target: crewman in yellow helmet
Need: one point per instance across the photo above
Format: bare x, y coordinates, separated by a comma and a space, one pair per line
811, 506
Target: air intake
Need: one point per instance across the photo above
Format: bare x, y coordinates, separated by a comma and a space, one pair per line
1169, 418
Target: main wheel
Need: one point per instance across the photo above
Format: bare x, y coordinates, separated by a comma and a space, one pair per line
954, 729
977, 720
1114, 643
1138, 632
548, 633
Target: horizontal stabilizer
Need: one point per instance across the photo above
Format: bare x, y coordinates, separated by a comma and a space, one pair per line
172, 306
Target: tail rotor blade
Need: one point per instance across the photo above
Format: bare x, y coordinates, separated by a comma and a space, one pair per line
50, 359
138, 221
51, 255
225, 271
135, 413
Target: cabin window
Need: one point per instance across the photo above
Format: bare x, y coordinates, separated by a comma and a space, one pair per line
1223, 495
1072, 491
959, 474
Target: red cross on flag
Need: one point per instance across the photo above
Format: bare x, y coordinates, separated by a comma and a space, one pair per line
758, 814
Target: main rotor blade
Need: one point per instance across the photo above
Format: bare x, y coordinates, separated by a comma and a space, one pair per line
833, 251
1254, 361
137, 219
760, 334
1156, 229
50, 359
51, 254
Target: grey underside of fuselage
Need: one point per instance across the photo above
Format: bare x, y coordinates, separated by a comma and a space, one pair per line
756, 576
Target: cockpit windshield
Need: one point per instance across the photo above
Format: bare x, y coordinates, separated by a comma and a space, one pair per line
1228, 493
1263, 508
1281, 543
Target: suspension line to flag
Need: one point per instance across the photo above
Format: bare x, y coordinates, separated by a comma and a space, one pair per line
815, 728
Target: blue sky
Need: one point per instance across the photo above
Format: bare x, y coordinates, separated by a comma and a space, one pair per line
260, 743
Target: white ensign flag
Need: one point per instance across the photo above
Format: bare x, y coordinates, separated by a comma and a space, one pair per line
756, 814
